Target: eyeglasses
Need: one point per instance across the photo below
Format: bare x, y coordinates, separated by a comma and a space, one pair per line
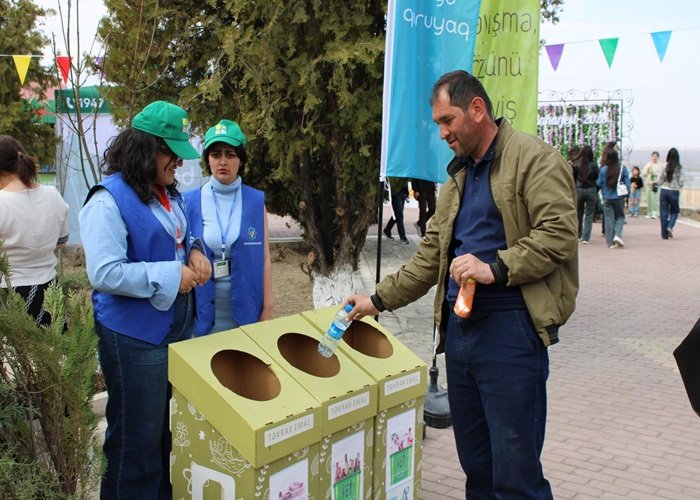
164, 149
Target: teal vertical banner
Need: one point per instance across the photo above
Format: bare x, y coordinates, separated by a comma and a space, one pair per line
425, 39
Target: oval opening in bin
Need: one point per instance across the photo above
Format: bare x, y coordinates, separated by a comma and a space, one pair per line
301, 351
368, 340
245, 375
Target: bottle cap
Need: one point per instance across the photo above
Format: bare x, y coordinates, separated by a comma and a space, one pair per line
348, 307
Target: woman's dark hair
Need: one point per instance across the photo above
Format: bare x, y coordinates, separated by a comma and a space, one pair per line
133, 154
673, 161
14, 160
240, 152
609, 146
462, 88
612, 161
585, 157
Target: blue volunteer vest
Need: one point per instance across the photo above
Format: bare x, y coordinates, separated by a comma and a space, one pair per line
148, 241
247, 256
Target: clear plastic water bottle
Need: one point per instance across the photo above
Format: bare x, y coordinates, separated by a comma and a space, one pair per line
335, 332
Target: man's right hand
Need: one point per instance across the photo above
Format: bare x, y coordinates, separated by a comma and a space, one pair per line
362, 306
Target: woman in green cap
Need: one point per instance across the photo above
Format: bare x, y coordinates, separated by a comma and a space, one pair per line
231, 219
143, 265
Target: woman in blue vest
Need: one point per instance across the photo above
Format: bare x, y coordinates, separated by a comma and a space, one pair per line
231, 219
143, 264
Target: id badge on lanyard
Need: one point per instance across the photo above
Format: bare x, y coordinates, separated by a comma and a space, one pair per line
222, 266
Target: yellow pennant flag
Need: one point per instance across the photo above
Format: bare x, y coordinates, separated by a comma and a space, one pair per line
22, 65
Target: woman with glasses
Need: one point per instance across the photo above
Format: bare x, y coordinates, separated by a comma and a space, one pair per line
143, 265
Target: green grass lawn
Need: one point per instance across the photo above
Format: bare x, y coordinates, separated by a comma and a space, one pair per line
47, 179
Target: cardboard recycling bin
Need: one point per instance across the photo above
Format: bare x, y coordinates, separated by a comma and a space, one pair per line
347, 396
242, 427
401, 380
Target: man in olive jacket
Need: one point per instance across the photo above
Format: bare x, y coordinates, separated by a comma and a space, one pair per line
506, 217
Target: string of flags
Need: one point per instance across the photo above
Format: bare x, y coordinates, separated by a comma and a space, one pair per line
609, 47
22, 62
554, 52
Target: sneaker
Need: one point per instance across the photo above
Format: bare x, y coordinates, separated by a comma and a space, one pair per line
654, 217
670, 233
404, 241
387, 233
425, 238
585, 242
618, 241
612, 246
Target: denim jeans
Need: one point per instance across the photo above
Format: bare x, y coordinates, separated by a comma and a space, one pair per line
669, 205
634, 201
585, 209
497, 369
614, 219
137, 440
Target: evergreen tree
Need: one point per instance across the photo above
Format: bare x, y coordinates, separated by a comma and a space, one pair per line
48, 446
19, 118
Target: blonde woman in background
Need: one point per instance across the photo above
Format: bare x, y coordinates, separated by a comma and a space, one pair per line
650, 174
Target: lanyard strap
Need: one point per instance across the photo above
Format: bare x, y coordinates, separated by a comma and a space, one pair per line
222, 231
165, 203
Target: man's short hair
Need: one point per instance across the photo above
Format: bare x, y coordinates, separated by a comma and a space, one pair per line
461, 87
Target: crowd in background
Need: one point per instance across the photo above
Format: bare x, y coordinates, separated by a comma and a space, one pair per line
607, 188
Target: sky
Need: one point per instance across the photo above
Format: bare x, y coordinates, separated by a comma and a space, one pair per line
664, 102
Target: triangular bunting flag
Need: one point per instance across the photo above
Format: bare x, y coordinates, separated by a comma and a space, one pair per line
609, 46
63, 63
22, 65
554, 52
661, 39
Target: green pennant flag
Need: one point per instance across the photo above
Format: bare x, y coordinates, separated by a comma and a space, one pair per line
609, 46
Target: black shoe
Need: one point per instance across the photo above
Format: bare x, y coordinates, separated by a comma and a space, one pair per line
387, 233
404, 241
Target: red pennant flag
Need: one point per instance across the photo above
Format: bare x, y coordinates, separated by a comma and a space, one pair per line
64, 65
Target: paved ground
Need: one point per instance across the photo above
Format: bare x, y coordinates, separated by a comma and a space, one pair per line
620, 425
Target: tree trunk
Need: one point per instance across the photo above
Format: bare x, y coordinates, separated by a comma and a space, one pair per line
331, 289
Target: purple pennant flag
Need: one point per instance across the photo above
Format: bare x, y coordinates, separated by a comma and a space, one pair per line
661, 39
554, 52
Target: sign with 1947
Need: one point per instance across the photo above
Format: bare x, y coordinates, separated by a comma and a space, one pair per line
89, 101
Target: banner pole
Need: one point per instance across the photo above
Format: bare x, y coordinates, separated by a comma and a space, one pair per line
380, 223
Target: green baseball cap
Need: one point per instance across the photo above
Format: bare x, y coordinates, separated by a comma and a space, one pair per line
169, 122
225, 131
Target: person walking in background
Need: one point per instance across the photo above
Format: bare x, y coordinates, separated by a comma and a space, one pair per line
143, 265
231, 219
609, 147
671, 182
635, 196
399, 195
611, 175
650, 174
508, 208
33, 223
424, 193
585, 176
